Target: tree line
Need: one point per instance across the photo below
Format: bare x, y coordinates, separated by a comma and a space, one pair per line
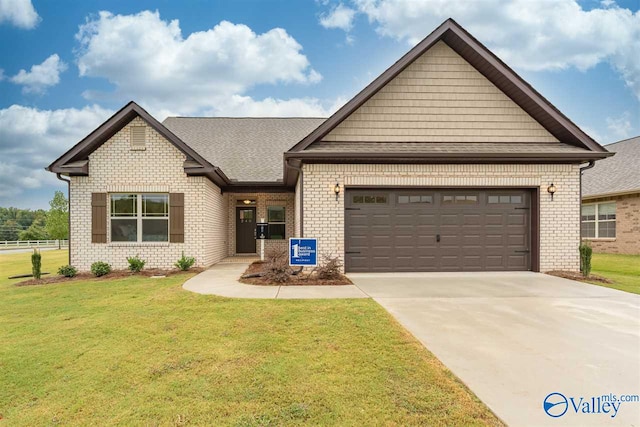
27, 224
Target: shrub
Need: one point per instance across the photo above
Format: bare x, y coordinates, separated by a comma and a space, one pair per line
330, 268
36, 264
136, 264
185, 263
67, 271
585, 259
100, 268
277, 268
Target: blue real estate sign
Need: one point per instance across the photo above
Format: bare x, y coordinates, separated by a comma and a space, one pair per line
303, 252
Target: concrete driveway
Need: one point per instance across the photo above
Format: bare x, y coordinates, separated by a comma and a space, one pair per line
514, 338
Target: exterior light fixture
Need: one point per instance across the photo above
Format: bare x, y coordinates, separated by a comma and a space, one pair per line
247, 201
336, 189
551, 189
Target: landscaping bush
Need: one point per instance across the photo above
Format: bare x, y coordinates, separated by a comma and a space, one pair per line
277, 268
36, 264
585, 259
67, 271
185, 263
136, 264
329, 268
100, 268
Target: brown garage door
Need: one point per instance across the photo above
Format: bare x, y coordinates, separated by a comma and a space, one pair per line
437, 230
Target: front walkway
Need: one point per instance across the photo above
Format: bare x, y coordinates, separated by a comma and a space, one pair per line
222, 280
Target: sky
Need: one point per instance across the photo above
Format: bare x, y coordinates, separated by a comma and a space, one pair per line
66, 66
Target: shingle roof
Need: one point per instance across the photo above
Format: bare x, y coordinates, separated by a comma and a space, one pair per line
246, 149
441, 147
617, 174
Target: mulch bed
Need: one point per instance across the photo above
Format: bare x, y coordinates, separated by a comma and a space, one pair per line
579, 277
302, 279
115, 274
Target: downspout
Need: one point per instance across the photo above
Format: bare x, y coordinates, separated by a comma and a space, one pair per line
299, 169
591, 164
68, 181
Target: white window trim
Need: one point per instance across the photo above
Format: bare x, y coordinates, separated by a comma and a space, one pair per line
139, 218
596, 221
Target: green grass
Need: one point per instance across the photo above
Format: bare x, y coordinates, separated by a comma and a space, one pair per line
624, 270
140, 351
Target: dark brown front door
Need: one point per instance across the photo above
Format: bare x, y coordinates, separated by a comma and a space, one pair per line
437, 230
245, 230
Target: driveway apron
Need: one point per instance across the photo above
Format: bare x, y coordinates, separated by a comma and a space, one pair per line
515, 338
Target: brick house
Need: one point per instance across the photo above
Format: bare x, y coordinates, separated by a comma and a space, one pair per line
447, 161
611, 200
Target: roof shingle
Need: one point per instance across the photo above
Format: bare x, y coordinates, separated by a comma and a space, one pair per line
617, 174
246, 149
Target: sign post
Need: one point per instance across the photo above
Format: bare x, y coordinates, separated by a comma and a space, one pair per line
303, 252
262, 230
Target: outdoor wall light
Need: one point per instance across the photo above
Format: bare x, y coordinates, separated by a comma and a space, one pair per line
336, 189
551, 189
247, 201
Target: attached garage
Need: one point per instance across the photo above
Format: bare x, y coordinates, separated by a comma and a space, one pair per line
394, 230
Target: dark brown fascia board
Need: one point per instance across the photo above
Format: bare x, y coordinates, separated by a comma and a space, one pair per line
408, 158
438, 34
95, 139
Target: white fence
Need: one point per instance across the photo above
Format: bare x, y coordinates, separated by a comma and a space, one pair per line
17, 244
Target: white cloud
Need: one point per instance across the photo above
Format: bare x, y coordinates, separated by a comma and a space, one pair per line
620, 127
531, 35
41, 76
340, 17
243, 106
149, 60
20, 13
33, 138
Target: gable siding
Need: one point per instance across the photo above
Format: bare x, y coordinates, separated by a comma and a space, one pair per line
440, 97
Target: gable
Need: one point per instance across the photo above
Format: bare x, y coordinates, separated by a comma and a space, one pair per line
440, 97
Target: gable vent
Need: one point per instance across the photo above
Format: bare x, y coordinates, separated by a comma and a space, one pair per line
138, 137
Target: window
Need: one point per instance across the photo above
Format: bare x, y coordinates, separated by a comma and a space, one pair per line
599, 220
460, 199
415, 199
369, 199
139, 217
275, 218
503, 199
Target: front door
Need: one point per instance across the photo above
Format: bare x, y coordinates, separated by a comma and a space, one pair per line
245, 230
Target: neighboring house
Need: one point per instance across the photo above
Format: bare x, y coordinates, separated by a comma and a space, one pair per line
442, 163
611, 200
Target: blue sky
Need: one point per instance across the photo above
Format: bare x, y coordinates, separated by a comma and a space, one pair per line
67, 66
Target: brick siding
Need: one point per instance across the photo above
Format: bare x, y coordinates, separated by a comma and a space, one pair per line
115, 167
559, 219
627, 240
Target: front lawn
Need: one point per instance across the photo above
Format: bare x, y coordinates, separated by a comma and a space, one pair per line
623, 270
141, 351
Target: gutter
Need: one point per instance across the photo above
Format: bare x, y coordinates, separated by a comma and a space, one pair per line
299, 170
68, 181
591, 164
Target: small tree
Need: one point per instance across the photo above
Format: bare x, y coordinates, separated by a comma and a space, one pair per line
36, 264
585, 259
58, 217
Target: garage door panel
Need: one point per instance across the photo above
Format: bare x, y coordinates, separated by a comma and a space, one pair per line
481, 234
